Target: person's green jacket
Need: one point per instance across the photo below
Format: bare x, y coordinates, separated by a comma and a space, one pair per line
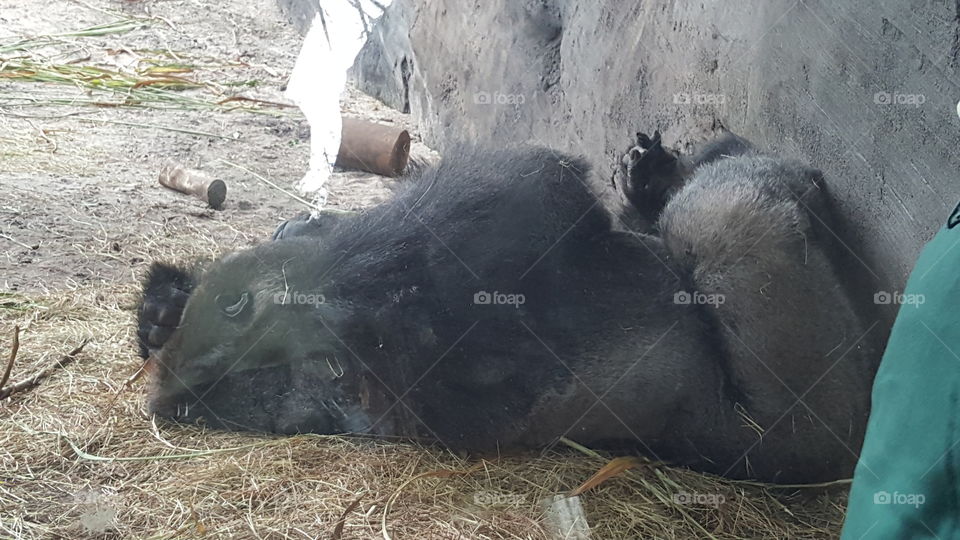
907, 482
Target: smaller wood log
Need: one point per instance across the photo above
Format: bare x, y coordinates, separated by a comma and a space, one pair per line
194, 182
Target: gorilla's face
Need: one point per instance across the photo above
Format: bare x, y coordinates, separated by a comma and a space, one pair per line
254, 352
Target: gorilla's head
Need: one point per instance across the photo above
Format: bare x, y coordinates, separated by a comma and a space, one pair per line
257, 349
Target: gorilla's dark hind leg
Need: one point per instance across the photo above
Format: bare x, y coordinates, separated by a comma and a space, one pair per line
789, 339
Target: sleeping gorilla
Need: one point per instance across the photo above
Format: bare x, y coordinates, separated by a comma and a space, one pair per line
723, 342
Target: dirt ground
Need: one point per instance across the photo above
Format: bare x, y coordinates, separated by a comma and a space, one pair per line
81, 191
86, 122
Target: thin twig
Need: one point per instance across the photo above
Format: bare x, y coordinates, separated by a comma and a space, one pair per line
155, 126
64, 361
15, 241
13, 356
269, 183
5, 112
127, 384
199, 453
260, 101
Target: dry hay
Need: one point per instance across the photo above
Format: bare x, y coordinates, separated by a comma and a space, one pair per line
77, 464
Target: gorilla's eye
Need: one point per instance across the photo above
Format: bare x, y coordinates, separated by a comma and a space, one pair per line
232, 305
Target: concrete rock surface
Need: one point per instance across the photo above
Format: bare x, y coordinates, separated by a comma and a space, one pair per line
864, 90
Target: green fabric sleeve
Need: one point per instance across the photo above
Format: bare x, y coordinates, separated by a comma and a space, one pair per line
906, 482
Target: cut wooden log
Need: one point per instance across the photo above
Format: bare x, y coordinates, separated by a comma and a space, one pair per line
194, 182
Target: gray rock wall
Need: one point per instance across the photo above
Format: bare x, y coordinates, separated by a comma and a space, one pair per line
864, 90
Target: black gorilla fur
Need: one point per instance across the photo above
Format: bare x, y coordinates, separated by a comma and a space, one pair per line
370, 324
